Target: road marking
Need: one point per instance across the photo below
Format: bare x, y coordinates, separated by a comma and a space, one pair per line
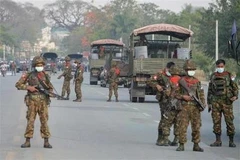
135, 108
126, 105
156, 121
147, 115
10, 156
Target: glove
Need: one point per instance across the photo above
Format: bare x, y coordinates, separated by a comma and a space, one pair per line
209, 108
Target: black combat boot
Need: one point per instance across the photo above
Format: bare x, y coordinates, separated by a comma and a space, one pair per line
26, 144
231, 143
46, 143
67, 98
159, 137
180, 147
117, 99
174, 142
77, 100
109, 99
197, 148
218, 142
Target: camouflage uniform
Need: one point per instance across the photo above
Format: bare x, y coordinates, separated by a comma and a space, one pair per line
67, 74
162, 79
78, 79
190, 111
36, 102
170, 114
221, 89
113, 82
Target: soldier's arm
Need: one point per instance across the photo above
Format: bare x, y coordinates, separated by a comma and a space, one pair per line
210, 92
22, 82
235, 89
153, 82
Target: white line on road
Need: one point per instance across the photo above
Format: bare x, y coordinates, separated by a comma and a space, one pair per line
147, 115
126, 105
135, 108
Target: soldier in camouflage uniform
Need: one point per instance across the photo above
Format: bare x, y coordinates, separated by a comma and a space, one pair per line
36, 102
78, 79
171, 110
222, 92
112, 77
67, 74
190, 111
161, 83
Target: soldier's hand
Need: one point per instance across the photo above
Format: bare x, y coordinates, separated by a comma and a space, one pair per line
32, 88
209, 108
159, 88
187, 97
233, 98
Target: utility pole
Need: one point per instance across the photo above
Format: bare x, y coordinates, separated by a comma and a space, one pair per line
216, 40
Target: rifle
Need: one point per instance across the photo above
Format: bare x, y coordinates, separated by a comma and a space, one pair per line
49, 94
171, 103
183, 83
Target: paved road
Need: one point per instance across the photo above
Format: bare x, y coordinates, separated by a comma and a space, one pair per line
98, 130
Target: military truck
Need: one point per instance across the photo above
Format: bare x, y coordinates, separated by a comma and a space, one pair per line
51, 61
151, 48
103, 52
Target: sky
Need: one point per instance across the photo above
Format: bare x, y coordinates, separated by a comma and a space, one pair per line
173, 5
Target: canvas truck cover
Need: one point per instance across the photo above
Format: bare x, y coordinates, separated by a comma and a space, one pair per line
164, 29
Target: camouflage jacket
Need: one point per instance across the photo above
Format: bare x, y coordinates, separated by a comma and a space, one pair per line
67, 73
112, 75
221, 86
31, 79
163, 80
79, 74
195, 86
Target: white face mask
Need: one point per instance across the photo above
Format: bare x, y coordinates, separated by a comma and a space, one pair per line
168, 73
191, 73
39, 69
220, 70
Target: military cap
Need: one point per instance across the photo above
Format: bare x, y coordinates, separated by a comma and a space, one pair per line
77, 61
189, 65
174, 70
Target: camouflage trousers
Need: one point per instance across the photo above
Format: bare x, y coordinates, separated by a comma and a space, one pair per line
37, 105
113, 87
170, 118
189, 113
65, 88
78, 89
166, 122
219, 108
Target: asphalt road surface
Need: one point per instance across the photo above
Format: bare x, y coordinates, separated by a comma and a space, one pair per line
98, 130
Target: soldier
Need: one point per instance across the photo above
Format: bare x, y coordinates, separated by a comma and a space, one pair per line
78, 79
112, 77
190, 112
171, 110
161, 83
222, 92
67, 74
36, 101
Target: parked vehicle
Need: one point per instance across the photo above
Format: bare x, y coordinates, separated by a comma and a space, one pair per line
51, 62
151, 48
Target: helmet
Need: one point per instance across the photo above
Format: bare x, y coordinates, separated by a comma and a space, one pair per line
67, 58
38, 60
77, 61
189, 65
174, 70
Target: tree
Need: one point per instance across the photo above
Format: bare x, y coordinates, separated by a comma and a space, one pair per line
67, 14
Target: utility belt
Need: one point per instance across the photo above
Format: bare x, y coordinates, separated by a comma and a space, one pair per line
36, 95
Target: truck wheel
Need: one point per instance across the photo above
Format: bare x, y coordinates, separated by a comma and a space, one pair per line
141, 99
